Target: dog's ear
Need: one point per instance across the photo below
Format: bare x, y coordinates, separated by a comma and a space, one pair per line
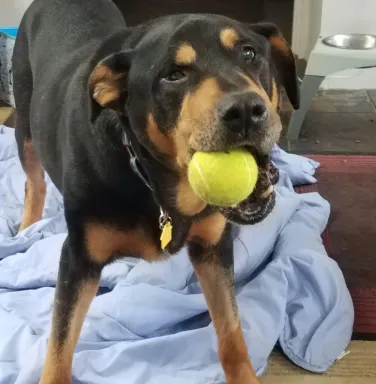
283, 60
108, 80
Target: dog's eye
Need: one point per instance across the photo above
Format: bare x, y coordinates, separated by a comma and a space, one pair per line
248, 52
175, 76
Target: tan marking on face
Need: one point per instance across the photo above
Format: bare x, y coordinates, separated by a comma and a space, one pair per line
185, 55
209, 229
275, 95
105, 85
163, 143
58, 365
104, 242
194, 128
35, 186
254, 87
217, 284
228, 37
187, 202
273, 123
195, 123
279, 43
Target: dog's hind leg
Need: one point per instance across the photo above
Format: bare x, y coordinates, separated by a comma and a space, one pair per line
35, 186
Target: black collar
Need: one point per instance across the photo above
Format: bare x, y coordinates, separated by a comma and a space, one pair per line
137, 168
134, 162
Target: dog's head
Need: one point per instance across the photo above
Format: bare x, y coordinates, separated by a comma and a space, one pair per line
199, 83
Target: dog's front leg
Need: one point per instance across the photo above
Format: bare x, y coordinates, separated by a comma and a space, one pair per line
211, 253
77, 285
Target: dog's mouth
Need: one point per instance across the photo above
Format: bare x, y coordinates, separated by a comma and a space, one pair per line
262, 200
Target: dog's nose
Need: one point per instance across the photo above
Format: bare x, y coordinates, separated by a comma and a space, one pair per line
243, 112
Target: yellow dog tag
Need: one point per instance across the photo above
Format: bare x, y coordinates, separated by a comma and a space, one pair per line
166, 235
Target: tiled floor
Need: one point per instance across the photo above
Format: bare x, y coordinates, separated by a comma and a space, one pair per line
338, 122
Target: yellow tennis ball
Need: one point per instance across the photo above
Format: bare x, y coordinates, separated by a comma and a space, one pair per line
223, 179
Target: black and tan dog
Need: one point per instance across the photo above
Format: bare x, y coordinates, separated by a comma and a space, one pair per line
114, 114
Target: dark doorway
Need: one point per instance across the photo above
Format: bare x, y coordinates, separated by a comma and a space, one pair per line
279, 12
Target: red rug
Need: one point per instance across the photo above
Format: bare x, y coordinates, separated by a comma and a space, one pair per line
349, 184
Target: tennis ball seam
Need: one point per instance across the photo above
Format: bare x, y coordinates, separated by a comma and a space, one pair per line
249, 170
201, 175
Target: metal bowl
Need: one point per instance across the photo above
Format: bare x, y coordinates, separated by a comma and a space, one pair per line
351, 41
